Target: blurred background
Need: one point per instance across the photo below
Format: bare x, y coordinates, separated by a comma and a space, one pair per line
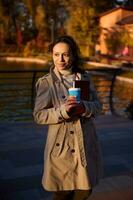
27, 26
103, 30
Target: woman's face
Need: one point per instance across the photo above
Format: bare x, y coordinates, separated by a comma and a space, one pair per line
62, 56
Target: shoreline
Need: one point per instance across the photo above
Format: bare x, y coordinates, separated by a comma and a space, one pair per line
44, 61
22, 59
124, 79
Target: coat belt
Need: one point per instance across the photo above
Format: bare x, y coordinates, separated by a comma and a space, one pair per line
81, 143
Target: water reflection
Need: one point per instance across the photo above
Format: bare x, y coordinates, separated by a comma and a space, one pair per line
6, 65
16, 91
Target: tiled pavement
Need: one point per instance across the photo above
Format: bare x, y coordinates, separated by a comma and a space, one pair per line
21, 160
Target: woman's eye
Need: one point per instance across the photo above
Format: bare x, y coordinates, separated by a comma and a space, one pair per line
66, 55
56, 54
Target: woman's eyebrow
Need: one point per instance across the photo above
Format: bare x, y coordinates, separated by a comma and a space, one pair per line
61, 52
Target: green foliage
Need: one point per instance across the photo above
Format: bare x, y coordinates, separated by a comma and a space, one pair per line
40, 19
126, 38
82, 23
113, 41
32, 18
117, 38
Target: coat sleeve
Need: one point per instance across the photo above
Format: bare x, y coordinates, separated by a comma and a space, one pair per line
44, 111
93, 106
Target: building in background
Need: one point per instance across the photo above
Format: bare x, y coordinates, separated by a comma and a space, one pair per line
114, 22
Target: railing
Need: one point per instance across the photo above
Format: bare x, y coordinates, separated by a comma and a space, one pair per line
17, 91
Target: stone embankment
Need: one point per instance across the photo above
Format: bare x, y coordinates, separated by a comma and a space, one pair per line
44, 61
124, 79
108, 66
21, 59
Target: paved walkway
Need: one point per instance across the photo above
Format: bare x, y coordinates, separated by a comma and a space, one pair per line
21, 160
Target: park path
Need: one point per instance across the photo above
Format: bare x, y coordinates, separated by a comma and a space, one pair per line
21, 160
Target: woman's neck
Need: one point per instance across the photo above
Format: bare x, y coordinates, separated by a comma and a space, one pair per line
65, 72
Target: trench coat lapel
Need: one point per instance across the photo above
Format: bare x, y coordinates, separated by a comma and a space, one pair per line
57, 82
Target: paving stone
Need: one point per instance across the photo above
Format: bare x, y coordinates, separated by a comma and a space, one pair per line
111, 170
114, 160
114, 183
26, 157
19, 172
19, 184
21, 160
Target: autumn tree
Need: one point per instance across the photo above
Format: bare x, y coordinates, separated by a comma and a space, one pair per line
7, 22
83, 23
2, 31
41, 24
117, 39
46, 19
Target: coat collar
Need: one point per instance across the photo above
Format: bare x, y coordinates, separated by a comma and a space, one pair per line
57, 77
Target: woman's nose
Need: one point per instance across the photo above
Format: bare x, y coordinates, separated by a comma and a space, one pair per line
61, 58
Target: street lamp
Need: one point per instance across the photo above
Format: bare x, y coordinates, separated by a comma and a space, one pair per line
52, 28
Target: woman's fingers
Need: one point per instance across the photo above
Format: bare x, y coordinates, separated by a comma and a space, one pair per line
71, 97
71, 100
71, 104
74, 107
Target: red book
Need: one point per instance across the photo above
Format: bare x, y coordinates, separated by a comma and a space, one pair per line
85, 89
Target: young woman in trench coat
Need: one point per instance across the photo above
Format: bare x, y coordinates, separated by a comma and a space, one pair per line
72, 161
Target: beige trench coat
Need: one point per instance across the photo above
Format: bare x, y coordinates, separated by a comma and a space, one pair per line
50, 110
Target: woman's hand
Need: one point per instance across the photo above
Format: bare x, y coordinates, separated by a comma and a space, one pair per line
73, 107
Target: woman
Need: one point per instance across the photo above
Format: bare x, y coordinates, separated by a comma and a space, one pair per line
72, 161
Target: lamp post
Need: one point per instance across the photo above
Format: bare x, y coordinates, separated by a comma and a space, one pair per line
52, 28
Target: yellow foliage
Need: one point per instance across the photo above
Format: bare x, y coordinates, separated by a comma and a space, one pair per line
40, 18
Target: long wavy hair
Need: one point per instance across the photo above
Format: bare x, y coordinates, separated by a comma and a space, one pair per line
76, 63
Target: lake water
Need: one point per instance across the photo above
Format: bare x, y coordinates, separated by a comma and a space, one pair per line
16, 103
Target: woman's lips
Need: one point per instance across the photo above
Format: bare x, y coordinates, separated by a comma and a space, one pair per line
61, 64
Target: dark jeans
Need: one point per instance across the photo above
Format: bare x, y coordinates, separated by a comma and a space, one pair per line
72, 195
